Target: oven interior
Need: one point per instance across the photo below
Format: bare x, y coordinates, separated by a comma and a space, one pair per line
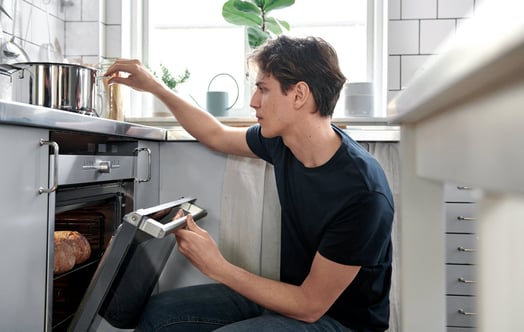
96, 214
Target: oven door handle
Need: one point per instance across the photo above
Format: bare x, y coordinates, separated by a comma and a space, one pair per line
43, 190
159, 230
138, 150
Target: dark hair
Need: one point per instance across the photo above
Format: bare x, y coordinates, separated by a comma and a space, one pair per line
310, 59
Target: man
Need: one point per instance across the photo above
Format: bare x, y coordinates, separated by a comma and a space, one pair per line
337, 208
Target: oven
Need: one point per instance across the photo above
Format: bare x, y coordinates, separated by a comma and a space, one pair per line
94, 181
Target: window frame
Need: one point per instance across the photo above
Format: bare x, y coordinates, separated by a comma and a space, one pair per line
135, 26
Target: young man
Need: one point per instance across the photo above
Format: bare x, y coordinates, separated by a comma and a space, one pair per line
337, 208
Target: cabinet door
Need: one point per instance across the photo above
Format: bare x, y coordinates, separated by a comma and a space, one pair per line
147, 192
24, 235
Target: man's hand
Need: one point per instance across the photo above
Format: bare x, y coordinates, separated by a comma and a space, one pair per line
200, 249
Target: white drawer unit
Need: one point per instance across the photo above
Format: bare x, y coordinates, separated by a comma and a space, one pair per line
461, 256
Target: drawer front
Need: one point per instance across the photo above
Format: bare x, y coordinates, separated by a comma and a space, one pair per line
461, 248
461, 311
458, 193
461, 279
461, 217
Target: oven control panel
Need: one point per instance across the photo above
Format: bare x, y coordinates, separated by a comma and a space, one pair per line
84, 158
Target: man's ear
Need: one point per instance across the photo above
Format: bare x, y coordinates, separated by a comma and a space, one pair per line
302, 94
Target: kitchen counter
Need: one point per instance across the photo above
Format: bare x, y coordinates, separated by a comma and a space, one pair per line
35, 116
160, 129
360, 129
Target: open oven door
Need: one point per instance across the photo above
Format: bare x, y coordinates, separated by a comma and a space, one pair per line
131, 265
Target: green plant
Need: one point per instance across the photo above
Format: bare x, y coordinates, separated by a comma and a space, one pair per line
169, 80
254, 15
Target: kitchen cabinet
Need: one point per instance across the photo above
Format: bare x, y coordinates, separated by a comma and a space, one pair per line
191, 169
25, 228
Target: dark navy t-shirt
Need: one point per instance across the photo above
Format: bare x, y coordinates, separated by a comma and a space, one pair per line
342, 209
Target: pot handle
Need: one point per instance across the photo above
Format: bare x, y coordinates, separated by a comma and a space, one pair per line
8, 69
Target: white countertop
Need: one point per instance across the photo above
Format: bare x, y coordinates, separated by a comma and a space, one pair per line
360, 129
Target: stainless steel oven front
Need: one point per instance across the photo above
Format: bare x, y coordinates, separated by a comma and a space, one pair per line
94, 181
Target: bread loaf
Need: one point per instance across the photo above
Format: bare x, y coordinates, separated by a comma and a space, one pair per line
64, 257
80, 245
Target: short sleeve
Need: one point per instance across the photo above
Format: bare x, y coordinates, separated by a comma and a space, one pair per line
257, 143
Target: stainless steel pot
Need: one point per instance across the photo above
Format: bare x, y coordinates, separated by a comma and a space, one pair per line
63, 86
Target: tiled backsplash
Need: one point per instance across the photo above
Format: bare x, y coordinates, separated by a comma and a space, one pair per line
416, 29
90, 30
85, 31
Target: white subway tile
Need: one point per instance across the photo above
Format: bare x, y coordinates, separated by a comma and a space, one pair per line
394, 9
419, 9
394, 72
433, 33
455, 8
113, 12
39, 26
91, 10
73, 12
113, 41
82, 38
403, 37
411, 65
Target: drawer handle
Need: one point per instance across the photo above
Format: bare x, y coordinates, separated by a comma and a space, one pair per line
466, 281
462, 218
462, 249
465, 313
464, 188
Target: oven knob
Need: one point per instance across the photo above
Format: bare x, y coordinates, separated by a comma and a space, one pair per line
104, 167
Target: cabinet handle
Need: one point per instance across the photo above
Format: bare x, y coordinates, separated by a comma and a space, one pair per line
462, 249
462, 218
465, 313
138, 150
466, 281
42, 190
464, 188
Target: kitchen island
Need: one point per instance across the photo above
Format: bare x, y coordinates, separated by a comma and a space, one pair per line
461, 122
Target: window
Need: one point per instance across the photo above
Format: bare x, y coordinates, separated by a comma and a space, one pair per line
193, 35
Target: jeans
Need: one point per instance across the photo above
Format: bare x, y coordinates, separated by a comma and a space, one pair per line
215, 307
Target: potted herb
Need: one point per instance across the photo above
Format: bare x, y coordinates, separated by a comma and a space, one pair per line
172, 82
254, 15
169, 80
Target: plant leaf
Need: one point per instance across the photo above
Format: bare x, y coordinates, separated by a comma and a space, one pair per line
276, 26
245, 6
277, 4
240, 12
256, 37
